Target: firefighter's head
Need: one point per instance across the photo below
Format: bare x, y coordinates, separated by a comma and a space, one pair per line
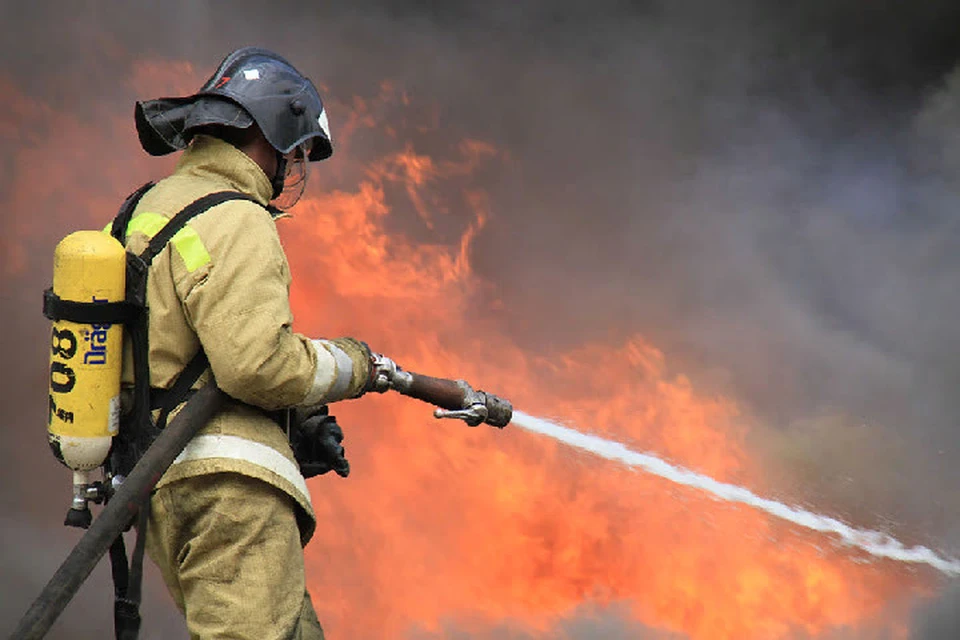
254, 95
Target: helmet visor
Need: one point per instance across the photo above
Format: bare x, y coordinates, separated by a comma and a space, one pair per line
294, 180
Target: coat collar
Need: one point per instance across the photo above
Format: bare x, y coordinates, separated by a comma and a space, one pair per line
214, 159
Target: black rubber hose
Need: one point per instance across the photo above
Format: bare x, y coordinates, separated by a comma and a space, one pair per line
118, 513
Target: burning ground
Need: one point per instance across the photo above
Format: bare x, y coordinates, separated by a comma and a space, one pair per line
642, 231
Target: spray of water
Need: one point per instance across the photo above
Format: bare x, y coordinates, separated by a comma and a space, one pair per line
875, 543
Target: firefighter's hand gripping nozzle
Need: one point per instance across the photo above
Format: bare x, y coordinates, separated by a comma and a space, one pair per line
454, 398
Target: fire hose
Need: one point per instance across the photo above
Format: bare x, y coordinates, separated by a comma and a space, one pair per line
453, 399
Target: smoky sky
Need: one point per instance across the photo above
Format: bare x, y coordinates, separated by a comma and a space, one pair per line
766, 191
939, 619
589, 623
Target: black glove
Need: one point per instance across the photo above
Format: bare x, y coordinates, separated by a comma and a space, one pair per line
315, 439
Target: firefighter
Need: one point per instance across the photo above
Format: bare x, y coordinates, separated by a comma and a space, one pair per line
229, 519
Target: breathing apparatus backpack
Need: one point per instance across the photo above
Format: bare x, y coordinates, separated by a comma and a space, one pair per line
99, 291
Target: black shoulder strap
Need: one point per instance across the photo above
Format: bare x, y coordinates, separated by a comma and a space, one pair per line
169, 399
127, 580
120, 223
119, 228
137, 272
192, 210
185, 380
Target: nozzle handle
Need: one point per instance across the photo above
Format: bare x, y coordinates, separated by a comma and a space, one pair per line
440, 392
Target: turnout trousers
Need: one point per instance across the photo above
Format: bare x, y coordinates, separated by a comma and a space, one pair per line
228, 547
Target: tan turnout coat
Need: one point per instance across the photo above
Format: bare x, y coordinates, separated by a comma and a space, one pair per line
223, 282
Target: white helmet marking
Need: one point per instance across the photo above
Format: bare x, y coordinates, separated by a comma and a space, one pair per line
322, 121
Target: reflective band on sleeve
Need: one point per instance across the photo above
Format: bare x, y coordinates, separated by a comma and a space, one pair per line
333, 365
186, 241
338, 391
210, 447
188, 244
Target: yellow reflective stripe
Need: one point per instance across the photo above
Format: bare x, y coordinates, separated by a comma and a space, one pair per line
149, 224
188, 244
186, 241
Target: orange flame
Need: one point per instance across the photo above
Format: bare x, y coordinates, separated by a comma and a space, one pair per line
440, 522
445, 522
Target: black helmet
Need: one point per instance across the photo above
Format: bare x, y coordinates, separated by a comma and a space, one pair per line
250, 85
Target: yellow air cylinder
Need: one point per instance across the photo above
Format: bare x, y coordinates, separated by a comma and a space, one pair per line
86, 359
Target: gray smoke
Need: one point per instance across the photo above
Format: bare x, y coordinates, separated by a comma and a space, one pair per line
767, 193
588, 623
940, 619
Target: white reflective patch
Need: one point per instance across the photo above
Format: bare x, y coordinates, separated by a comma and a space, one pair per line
322, 121
210, 447
251, 74
324, 376
344, 363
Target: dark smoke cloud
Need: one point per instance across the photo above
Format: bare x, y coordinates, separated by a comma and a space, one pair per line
939, 620
589, 623
768, 193
614, 622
